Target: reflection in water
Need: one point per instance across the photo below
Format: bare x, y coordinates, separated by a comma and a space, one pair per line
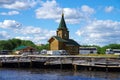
50, 74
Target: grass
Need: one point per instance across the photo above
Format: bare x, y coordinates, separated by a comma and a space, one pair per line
99, 55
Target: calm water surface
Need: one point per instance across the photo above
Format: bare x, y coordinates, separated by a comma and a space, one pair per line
42, 74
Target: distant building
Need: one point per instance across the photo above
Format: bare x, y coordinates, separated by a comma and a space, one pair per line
5, 52
109, 51
87, 50
62, 41
113, 51
22, 49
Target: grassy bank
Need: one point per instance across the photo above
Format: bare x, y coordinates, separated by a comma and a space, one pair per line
99, 55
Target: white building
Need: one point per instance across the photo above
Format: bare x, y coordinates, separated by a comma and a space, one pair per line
113, 51
109, 51
87, 50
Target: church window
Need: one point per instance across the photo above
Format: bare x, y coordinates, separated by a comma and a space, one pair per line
65, 34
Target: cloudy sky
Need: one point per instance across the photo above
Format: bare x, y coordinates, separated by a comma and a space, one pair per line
92, 22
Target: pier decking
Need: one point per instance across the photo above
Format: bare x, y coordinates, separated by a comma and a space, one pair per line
61, 62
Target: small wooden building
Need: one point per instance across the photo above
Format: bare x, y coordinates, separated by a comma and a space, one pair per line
22, 49
62, 41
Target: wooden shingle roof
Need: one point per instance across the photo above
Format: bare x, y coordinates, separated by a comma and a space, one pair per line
71, 42
68, 42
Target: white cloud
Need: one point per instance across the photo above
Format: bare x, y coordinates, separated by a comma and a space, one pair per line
35, 30
6, 1
4, 35
23, 37
87, 9
79, 33
35, 34
30, 30
49, 10
10, 24
14, 29
9, 13
35, 39
52, 10
17, 4
109, 9
100, 32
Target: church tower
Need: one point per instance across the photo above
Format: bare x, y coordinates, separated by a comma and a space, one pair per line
62, 30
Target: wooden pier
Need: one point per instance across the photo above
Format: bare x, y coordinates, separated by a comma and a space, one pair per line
61, 62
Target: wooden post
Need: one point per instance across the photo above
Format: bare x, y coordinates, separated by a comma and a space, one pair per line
75, 67
106, 64
0, 63
30, 62
72, 60
18, 60
91, 64
61, 63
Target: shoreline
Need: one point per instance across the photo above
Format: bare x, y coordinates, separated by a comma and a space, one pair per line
74, 62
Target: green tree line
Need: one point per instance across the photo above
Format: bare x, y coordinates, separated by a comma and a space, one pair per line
11, 44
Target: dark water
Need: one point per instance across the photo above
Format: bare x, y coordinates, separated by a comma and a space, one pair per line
42, 74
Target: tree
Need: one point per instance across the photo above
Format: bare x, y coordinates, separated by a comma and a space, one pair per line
5, 45
13, 43
110, 46
46, 46
28, 43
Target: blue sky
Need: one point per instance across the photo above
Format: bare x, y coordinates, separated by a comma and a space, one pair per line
91, 22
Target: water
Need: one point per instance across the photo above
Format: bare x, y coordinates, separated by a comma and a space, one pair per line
46, 74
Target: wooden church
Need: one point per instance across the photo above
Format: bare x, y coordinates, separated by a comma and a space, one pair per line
62, 42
